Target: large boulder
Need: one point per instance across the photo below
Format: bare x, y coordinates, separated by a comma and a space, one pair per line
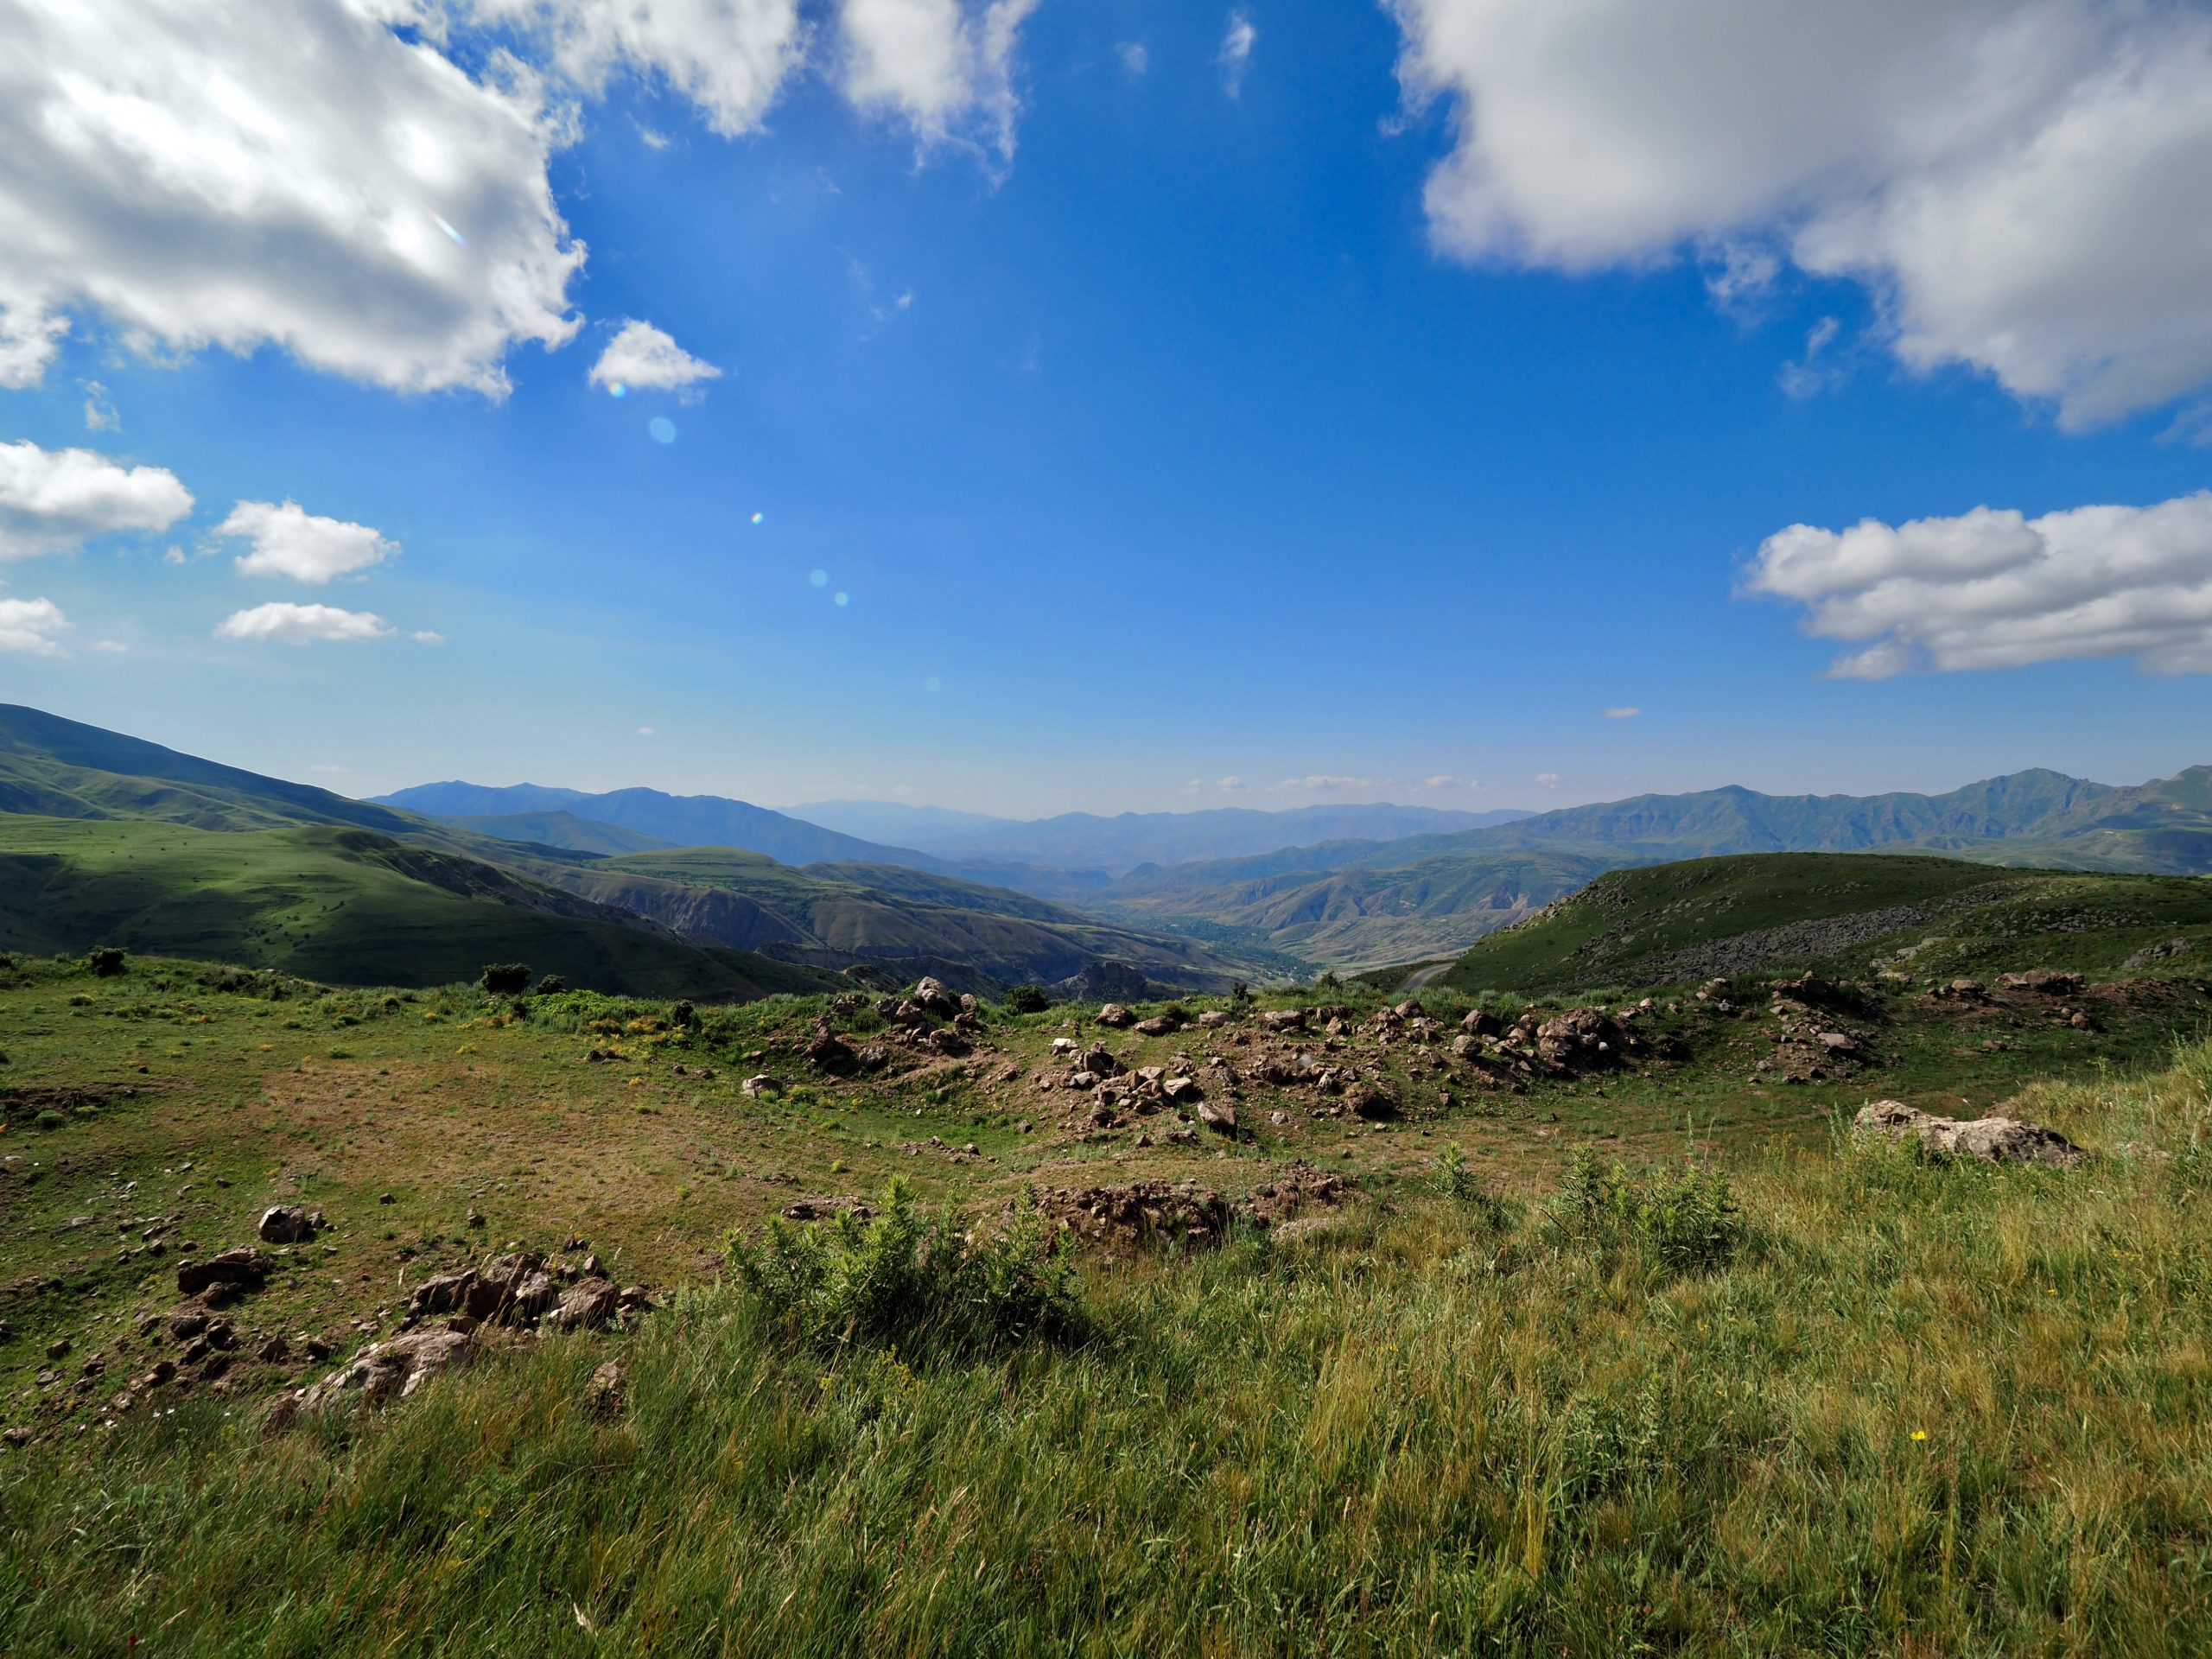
931, 996
1116, 1016
1992, 1140
289, 1223
241, 1269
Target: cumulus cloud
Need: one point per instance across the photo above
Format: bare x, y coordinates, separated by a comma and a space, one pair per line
1134, 56
298, 625
1547, 779
944, 69
289, 541
2019, 182
426, 637
1625, 712
1236, 44
642, 356
1994, 588
54, 500
237, 172
31, 624
728, 57
1230, 785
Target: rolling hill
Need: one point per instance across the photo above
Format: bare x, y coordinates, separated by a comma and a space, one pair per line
557, 873
1349, 903
1842, 914
345, 907
670, 820
906, 921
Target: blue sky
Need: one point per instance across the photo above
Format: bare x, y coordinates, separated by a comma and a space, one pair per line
1204, 436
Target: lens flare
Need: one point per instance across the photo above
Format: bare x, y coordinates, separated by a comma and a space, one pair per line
844, 599
616, 389
819, 578
933, 683
757, 517
459, 239
663, 429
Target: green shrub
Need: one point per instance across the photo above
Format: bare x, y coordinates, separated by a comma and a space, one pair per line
903, 1280
50, 1119
552, 985
1678, 1221
1027, 999
107, 961
506, 978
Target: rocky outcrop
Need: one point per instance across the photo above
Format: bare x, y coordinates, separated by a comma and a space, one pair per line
1992, 1140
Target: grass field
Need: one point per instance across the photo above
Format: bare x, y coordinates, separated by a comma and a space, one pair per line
1472, 1408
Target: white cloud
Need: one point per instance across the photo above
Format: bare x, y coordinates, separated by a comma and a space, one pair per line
1194, 786
643, 357
289, 541
1236, 44
1994, 588
173, 556
728, 57
2019, 182
425, 637
239, 173
1815, 372
54, 500
297, 625
1547, 779
99, 413
113, 647
1134, 56
330, 771
31, 624
946, 71
1625, 712
1232, 784
646, 731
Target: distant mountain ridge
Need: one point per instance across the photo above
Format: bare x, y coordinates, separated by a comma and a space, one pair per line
1126, 840
671, 820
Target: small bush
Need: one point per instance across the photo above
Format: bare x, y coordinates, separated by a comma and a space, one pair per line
50, 1119
107, 962
1450, 1177
552, 985
1679, 1221
912, 1281
506, 978
1027, 999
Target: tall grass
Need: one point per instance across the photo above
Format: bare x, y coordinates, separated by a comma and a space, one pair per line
1934, 1410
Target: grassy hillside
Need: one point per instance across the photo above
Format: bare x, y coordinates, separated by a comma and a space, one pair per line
1773, 1390
51, 767
1352, 916
343, 905
911, 921
1426, 894
564, 830
1846, 913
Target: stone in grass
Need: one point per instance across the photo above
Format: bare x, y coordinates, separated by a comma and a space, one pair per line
1992, 1140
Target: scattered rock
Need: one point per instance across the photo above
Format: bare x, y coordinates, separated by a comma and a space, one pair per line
1116, 1017
244, 1268
1992, 1140
603, 1393
383, 1371
1219, 1116
289, 1223
763, 1084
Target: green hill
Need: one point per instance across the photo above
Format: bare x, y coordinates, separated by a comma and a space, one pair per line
908, 921
562, 831
345, 907
1844, 913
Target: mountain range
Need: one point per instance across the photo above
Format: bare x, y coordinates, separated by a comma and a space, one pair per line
983, 903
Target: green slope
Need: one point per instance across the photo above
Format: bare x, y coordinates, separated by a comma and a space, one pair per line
1847, 913
345, 907
563, 831
908, 920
